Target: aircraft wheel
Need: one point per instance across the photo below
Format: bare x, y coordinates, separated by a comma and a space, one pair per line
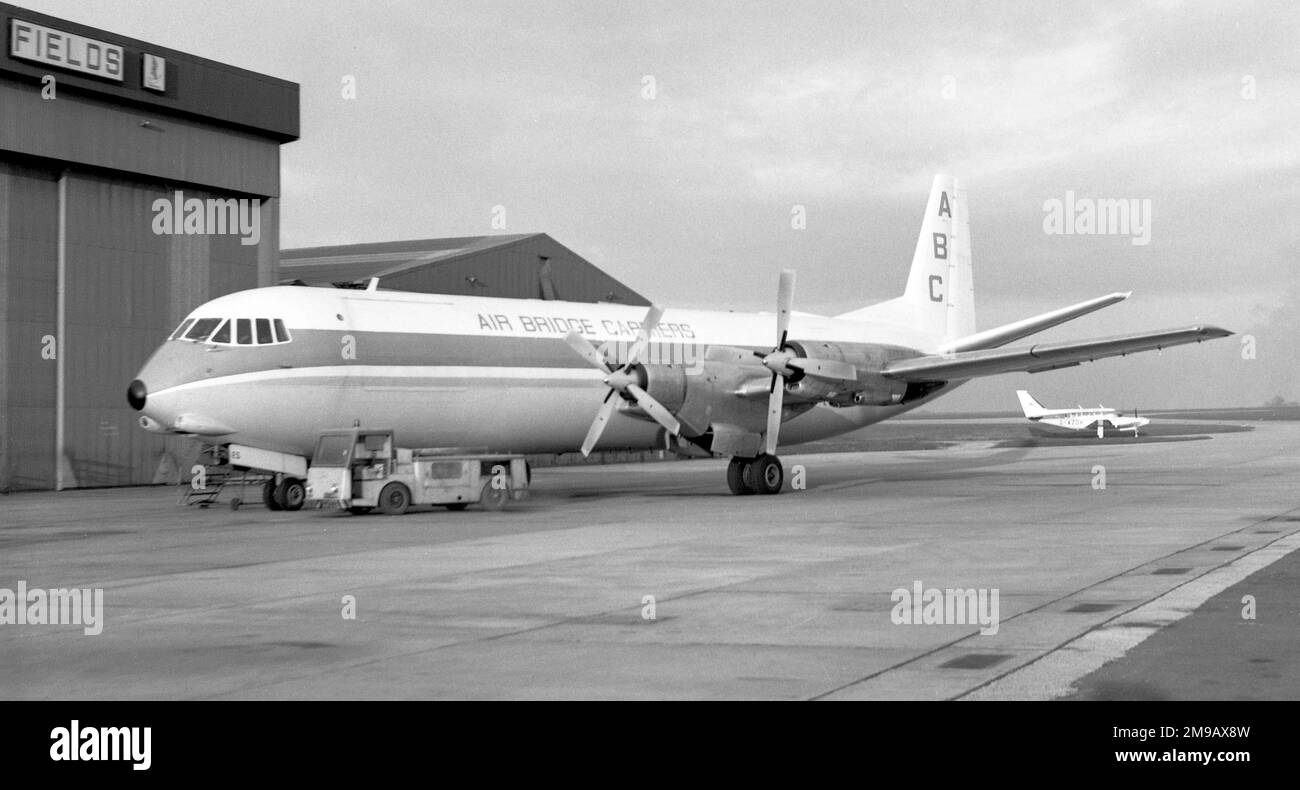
456, 505
235, 503
764, 474
291, 493
494, 498
268, 495
394, 499
736, 477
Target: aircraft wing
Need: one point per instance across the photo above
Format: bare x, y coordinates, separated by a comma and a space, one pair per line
1041, 356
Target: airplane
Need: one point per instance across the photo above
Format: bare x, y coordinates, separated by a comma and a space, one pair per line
267, 370
1080, 419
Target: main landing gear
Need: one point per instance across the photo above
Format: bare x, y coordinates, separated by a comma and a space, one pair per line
761, 475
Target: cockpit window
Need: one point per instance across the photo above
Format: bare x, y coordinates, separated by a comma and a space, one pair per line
234, 331
202, 328
180, 330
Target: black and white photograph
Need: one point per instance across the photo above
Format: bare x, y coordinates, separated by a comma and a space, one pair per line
654, 351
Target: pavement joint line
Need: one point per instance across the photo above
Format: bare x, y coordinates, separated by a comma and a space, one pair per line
569, 620
1054, 673
137, 581
1046, 604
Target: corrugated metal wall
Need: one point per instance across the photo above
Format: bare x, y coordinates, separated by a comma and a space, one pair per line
29, 200
126, 288
87, 131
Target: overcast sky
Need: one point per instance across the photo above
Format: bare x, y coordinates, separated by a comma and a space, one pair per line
669, 143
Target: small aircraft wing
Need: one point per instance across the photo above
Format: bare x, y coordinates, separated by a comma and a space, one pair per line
1042, 356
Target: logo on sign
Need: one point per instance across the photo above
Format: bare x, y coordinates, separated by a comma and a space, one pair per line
153, 73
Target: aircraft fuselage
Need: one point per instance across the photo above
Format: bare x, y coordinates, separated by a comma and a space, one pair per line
451, 371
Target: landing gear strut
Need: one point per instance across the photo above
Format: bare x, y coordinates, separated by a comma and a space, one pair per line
761, 475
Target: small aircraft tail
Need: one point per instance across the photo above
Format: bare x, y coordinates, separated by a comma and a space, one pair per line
940, 294
1031, 407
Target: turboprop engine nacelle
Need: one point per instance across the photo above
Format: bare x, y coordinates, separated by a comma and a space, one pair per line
665, 383
870, 388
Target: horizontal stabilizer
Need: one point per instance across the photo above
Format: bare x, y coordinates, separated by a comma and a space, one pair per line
1040, 357
1007, 333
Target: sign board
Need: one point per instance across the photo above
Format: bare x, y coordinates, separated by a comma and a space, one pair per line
52, 47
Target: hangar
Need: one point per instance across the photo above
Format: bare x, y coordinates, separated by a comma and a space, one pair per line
136, 182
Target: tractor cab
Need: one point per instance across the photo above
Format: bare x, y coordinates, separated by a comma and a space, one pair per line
344, 460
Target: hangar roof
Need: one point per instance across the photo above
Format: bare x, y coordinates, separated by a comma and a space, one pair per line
518, 265
356, 263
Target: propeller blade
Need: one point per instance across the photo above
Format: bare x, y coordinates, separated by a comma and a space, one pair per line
824, 368
598, 425
774, 418
655, 409
643, 336
588, 352
784, 302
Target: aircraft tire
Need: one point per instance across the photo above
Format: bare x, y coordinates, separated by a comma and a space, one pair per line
394, 500
736, 477
268, 495
764, 474
290, 494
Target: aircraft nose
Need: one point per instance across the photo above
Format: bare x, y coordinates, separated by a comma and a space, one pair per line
136, 394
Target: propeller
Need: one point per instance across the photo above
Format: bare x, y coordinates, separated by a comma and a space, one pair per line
623, 381
785, 363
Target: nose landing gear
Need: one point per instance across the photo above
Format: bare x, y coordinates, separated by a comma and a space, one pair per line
761, 475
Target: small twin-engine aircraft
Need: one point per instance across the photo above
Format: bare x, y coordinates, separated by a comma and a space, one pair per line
1080, 419
271, 368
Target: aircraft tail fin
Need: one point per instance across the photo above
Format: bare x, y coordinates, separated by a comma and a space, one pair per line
940, 295
939, 282
1031, 407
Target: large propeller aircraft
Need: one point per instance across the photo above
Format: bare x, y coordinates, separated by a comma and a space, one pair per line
271, 368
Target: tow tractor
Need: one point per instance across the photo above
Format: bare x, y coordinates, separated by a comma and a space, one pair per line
361, 469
